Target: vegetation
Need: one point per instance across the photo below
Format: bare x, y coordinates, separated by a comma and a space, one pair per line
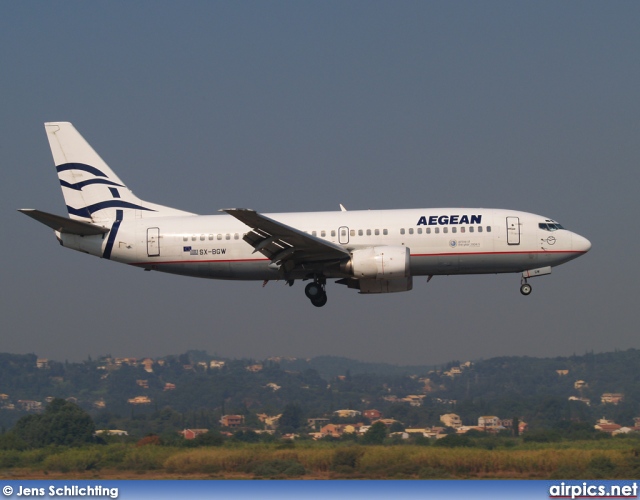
62, 423
609, 460
186, 392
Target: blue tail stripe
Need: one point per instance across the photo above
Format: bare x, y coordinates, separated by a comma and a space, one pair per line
79, 185
80, 166
87, 211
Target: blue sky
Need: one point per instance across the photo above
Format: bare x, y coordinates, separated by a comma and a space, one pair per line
300, 106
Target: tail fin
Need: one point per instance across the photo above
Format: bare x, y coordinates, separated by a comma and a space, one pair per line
91, 190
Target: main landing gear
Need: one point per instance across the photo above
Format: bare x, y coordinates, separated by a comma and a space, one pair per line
316, 293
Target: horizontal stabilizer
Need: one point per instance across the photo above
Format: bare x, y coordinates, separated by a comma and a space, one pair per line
64, 224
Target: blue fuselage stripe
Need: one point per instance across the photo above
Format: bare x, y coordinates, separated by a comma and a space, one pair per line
112, 235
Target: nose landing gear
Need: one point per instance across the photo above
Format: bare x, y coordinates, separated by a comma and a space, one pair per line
525, 288
316, 293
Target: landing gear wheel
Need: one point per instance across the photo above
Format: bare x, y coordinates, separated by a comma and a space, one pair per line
320, 301
313, 291
525, 289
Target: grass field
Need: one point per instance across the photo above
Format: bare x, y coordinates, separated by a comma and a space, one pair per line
613, 459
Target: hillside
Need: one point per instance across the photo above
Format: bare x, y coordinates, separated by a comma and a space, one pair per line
195, 389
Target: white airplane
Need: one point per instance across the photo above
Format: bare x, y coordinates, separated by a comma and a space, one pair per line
373, 251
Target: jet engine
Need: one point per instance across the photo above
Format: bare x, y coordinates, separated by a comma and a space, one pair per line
388, 262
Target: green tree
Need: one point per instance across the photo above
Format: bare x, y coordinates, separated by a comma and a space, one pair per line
62, 423
376, 434
291, 419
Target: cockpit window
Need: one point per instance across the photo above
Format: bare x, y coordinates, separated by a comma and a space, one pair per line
550, 226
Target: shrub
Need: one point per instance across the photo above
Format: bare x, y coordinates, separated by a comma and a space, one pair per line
601, 467
76, 460
542, 436
346, 459
273, 468
454, 441
151, 439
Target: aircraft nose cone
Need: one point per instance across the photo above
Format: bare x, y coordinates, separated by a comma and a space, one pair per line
580, 243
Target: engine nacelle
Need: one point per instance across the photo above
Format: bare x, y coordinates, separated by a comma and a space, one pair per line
386, 262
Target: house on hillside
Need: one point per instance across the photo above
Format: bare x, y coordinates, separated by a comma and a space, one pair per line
192, 433
139, 400
111, 432
612, 398
347, 413
388, 422
608, 426
489, 422
333, 430
372, 414
586, 401
414, 399
232, 420
29, 405
268, 421
451, 420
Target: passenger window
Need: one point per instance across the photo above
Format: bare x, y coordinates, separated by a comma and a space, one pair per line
236, 236
323, 233
471, 229
445, 229
368, 232
333, 232
352, 232
202, 237
219, 236
227, 237
479, 229
193, 237
211, 236
313, 233
385, 232
360, 232
377, 232
410, 230
185, 238
462, 229
402, 231
437, 230
428, 230
454, 229
419, 230
488, 229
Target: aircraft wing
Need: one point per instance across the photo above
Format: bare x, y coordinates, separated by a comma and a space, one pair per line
281, 243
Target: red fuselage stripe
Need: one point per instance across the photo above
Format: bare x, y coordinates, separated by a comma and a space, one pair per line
461, 254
